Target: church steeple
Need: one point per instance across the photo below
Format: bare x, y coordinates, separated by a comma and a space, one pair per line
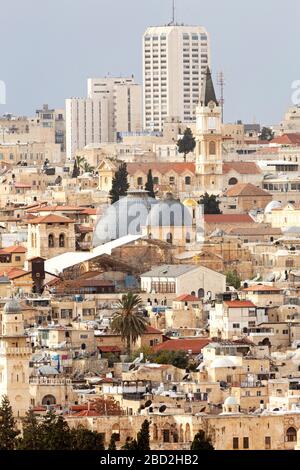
208, 91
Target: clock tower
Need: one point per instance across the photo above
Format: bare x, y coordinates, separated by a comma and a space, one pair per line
209, 164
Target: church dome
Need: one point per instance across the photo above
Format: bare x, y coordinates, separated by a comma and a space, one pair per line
272, 205
125, 217
12, 307
169, 213
230, 401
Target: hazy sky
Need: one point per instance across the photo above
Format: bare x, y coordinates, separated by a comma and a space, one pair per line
50, 47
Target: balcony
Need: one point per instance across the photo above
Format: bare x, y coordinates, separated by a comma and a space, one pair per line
15, 351
49, 381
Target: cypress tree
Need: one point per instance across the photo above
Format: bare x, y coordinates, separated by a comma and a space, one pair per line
200, 442
149, 186
143, 437
84, 439
31, 439
120, 184
55, 433
112, 443
8, 429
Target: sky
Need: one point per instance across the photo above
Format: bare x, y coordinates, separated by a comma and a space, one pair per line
49, 48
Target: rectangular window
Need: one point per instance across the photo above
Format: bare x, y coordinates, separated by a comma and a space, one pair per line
246, 443
267, 442
235, 443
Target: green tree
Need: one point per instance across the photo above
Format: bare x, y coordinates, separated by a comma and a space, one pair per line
76, 171
200, 442
128, 321
120, 184
31, 439
8, 429
176, 358
87, 168
149, 186
143, 437
55, 433
211, 204
233, 279
130, 444
84, 439
266, 134
112, 444
187, 143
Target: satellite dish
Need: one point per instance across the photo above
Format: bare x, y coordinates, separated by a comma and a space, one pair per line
162, 409
148, 403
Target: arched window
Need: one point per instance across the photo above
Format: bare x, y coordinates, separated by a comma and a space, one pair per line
200, 293
170, 238
212, 148
49, 400
140, 181
61, 240
232, 181
51, 241
291, 435
188, 180
188, 238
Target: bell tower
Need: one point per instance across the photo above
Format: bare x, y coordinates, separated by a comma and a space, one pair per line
15, 355
209, 164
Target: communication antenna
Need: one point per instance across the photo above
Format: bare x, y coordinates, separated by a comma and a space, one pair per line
173, 13
221, 83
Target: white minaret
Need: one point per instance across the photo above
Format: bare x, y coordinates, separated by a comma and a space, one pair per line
15, 355
209, 163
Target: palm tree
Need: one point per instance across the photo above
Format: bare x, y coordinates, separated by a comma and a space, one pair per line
87, 168
128, 321
80, 161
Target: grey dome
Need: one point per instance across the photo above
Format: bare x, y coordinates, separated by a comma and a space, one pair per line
125, 217
170, 213
12, 306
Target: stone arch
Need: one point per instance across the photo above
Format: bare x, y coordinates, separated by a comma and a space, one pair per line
201, 293
212, 148
291, 434
50, 240
49, 400
62, 240
187, 433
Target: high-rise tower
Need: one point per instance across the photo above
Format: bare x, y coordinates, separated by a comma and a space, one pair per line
175, 59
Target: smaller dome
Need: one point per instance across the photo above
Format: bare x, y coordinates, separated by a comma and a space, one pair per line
12, 306
272, 205
230, 401
221, 362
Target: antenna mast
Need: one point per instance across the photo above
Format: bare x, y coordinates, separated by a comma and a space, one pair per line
173, 12
221, 83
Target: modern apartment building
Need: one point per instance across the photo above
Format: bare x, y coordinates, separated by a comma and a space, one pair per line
113, 107
125, 99
86, 123
175, 59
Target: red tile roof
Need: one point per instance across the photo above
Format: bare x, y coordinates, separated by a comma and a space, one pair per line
228, 219
13, 273
194, 345
13, 249
57, 208
151, 330
260, 288
187, 298
239, 303
50, 219
246, 189
108, 349
22, 186
161, 167
244, 168
288, 139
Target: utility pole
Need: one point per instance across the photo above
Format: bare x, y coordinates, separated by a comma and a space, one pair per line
221, 83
